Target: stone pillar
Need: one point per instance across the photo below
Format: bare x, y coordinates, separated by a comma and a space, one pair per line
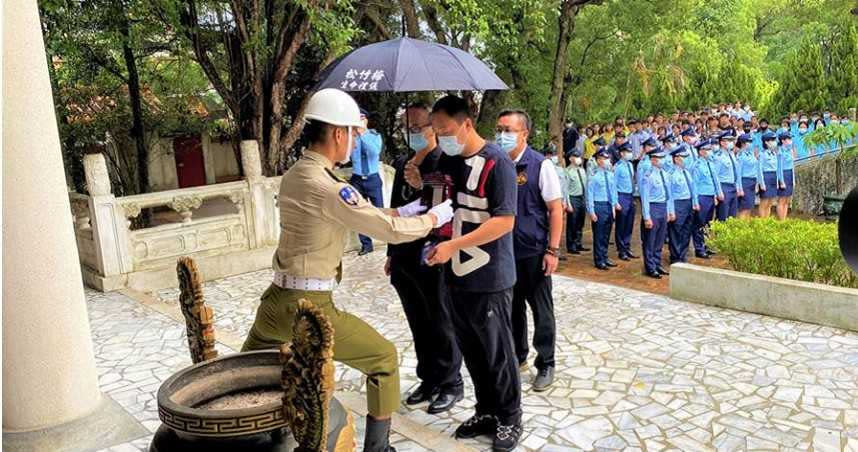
49, 372
109, 224
260, 206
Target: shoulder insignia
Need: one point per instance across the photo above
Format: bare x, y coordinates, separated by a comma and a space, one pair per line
349, 195
335, 176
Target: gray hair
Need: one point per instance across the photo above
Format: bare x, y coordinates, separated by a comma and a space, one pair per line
522, 116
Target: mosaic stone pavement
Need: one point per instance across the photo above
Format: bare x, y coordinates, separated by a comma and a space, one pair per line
635, 371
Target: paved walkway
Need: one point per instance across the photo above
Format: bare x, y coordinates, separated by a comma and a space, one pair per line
635, 371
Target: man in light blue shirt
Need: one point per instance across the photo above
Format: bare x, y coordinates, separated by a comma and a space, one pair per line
728, 176
708, 189
637, 138
624, 181
658, 210
365, 172
601, 203
685, 204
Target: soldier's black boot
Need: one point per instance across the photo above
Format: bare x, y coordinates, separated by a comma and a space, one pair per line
377, 435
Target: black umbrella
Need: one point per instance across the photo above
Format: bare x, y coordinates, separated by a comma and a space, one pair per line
406, 64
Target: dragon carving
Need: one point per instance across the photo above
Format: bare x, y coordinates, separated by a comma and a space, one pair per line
199, 318
308, 377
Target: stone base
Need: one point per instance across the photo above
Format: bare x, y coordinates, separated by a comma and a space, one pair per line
211, 267
108, 426
777, 297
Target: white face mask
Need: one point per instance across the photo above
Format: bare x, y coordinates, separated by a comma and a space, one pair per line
787, 143
578, 161
730, 145
802, 130
450, 145
771, 144
350, 145
553, 159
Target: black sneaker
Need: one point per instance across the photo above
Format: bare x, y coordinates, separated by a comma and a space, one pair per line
477, 425
506, 437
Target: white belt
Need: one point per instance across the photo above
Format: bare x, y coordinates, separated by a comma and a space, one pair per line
285, 281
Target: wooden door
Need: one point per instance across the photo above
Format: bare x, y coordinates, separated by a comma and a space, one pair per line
190, 164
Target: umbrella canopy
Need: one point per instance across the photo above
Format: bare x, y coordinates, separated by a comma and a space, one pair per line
406, 64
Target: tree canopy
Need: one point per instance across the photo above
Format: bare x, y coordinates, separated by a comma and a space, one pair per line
245, 68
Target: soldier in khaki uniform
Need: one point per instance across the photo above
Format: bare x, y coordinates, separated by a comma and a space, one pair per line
317, 210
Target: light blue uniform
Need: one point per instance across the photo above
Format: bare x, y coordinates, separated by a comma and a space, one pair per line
657, 205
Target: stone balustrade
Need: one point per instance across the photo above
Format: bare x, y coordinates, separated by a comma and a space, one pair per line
228, 228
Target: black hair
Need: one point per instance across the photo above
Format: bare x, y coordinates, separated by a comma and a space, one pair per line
723, 115
522, 115
454, 107
764, 120
418, 104
315, 131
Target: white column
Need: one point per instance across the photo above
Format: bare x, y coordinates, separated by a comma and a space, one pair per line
49, 372
109, 224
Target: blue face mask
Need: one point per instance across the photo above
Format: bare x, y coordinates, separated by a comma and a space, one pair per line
507, 140
450, 145
417, 141
627, 156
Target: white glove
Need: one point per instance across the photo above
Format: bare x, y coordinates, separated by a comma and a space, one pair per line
443, 212
411, 209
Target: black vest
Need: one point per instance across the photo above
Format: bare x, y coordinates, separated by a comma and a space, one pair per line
531, 222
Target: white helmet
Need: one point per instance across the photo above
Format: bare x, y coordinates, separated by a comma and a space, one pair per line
334, 107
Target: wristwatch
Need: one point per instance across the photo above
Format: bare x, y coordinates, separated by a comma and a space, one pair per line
554, 251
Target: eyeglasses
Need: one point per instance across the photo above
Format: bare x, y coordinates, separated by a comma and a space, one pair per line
418, 128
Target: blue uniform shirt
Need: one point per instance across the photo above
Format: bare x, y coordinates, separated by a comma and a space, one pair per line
600, 188
366, 154
624, 177
655, 188
787, 160
681, 185
728, 169
748, 164
705, 179
644, 167
769, 162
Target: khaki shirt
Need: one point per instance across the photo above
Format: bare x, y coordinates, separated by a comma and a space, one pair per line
317, 210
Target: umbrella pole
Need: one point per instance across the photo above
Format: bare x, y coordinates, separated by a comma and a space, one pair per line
407, 126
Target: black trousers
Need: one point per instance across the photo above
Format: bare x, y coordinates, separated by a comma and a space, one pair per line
575, 223
533, 287
482, 324
425, 302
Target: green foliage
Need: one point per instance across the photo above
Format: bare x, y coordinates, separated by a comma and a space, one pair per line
839, 134
795, 249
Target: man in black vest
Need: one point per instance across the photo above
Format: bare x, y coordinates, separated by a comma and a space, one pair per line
536, 242
421, 287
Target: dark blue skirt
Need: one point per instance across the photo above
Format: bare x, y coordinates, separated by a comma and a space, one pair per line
771, 180
786, 192
749, 186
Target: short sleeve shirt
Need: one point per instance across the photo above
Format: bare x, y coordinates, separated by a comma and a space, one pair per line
485, 186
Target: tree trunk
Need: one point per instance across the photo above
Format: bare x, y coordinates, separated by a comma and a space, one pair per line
142, 185
412, 24
569, 9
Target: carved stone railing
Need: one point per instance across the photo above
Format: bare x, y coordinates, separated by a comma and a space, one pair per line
112, 252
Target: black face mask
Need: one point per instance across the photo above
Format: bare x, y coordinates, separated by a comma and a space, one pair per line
747, 129
764, 127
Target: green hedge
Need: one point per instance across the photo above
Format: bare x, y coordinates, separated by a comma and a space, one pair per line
795, 249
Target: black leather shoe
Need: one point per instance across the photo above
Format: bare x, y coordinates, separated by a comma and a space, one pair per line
701, 256
423, 393
711, 253
662, 271
575, 252
631, 256
610, 264
624, 258
602, 267
364, 251
445, 400
654, 275
583, 249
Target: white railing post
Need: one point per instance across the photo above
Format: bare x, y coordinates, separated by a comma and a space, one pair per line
259, 214
109, 227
